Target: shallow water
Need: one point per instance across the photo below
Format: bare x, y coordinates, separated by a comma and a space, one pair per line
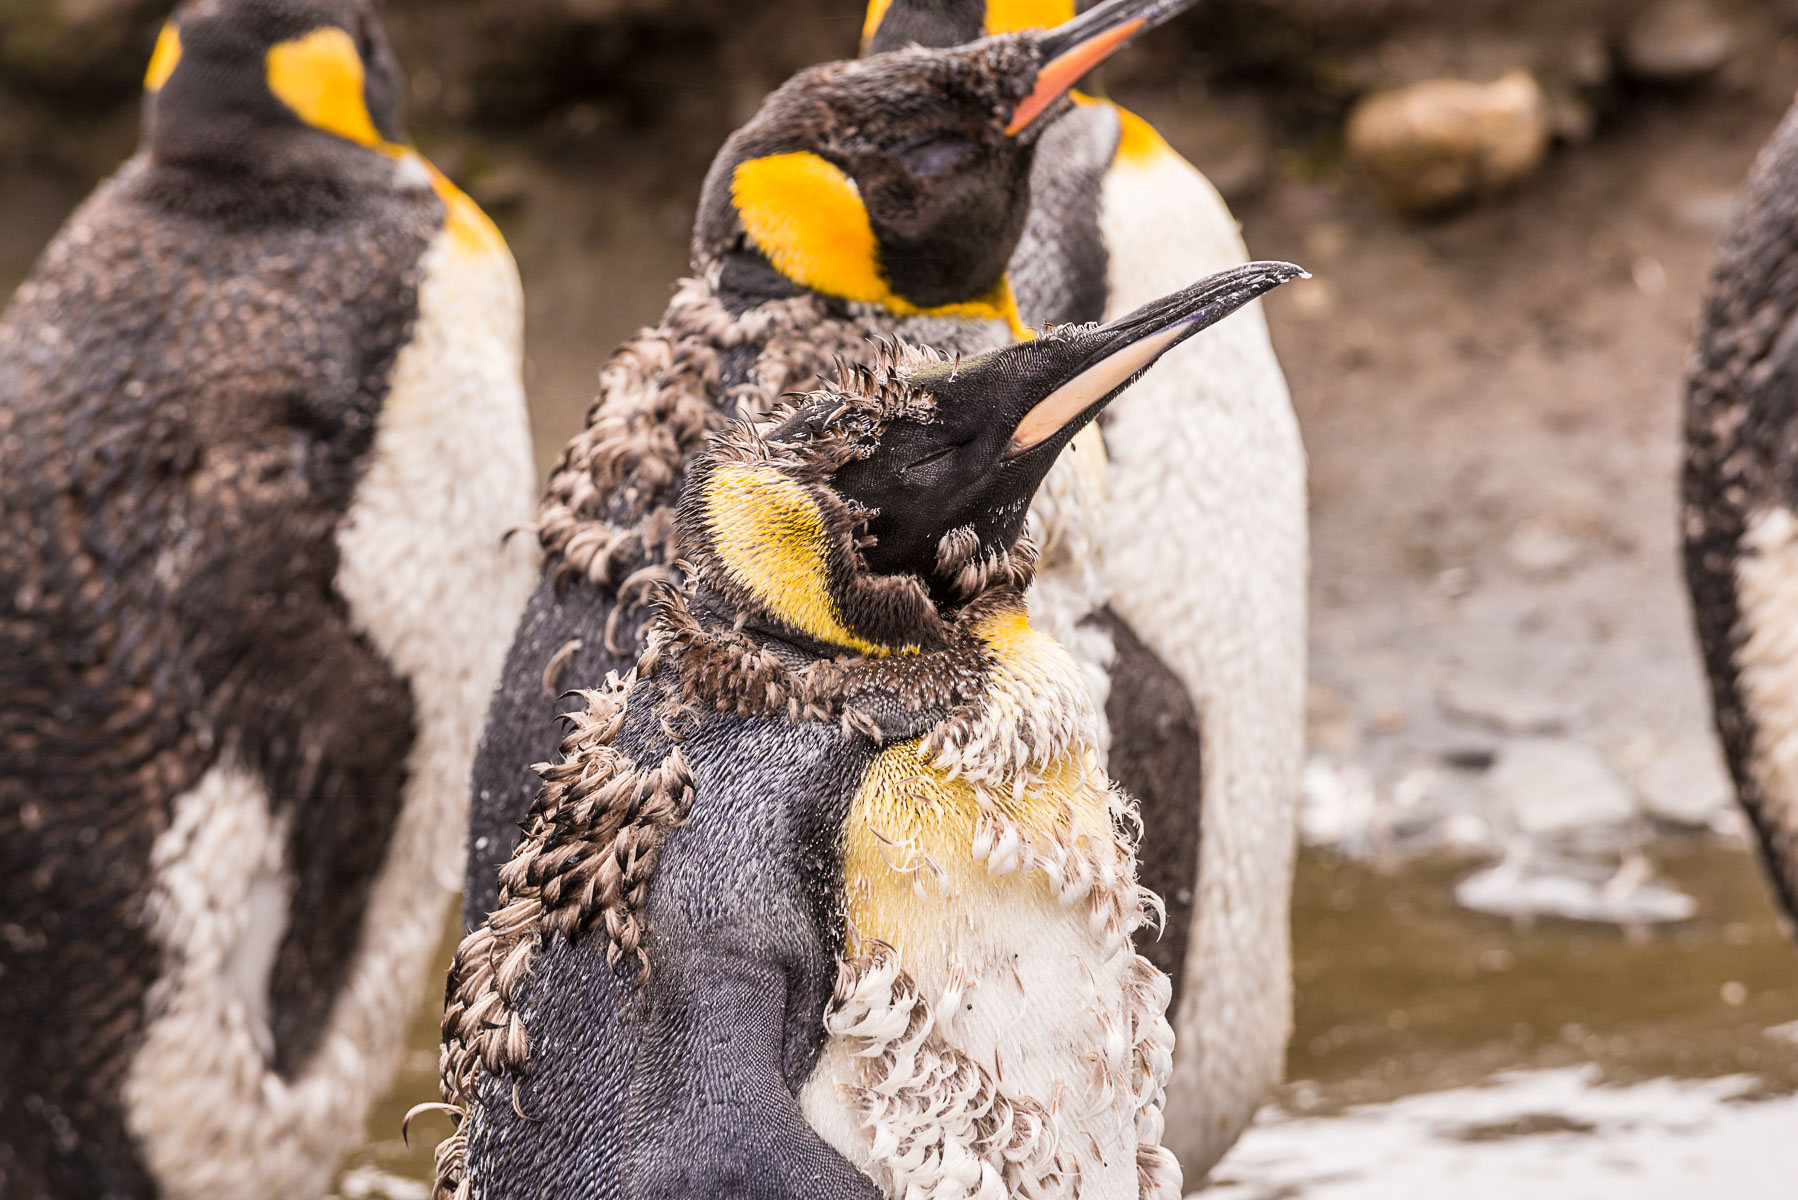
1432, 1045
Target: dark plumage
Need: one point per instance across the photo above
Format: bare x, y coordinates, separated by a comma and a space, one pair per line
1740, 492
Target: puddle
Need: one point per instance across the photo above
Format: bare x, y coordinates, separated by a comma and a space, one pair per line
1551, 1135
1433, 1044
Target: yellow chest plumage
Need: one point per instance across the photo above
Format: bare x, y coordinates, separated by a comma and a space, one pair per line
993, 1031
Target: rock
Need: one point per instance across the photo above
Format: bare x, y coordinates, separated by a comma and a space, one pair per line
1491, 706
1541, 552
1437, 144
1708, 213
1677, 41
1522, 887
1548, 786
1336, 807
1687, 786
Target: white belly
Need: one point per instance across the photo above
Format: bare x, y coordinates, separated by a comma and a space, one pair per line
1023, 1016
430, 579
994, 1033
1205, 555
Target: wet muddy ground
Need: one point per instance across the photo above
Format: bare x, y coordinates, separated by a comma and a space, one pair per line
1491, 408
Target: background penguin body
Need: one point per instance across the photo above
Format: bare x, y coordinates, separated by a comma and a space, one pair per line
842, 749
1740, 512
1197, 530
766, 314
264, 433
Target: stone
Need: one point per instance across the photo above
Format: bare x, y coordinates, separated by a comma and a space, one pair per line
1520, 888
1548, 786
1541, 552
1677, 41
1686, 786
1492, 706
1336, 806
1441, 143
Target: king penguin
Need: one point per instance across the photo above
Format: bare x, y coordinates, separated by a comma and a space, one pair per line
262, 435
829, 897
1191, 552
1740, 512
865, 199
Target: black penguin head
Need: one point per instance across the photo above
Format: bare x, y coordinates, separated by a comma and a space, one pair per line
865, 515
903, 179
891, 24
274, 87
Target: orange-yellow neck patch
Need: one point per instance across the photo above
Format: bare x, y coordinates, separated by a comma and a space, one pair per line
1009, 16
877, 11
806, 215
770, 536
1002, 16
321, 77
164, 58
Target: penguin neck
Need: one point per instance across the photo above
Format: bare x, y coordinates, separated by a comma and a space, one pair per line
295, 176
732, 342
713, 661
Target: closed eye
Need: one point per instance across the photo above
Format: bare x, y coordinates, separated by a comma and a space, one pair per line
934, 457
937, 155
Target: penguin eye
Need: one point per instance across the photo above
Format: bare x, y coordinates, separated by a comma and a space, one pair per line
930, 459
937, 155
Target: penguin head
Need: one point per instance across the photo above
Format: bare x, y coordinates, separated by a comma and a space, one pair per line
902, 180
865, 516
891, 24
274, 88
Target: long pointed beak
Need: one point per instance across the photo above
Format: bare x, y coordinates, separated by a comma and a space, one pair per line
1072, 49
1092, 367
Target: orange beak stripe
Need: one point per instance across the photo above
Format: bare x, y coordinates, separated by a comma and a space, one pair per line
1065, 69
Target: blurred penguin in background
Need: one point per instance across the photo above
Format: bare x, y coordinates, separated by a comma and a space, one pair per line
1179, 580
1740, 513
262, 435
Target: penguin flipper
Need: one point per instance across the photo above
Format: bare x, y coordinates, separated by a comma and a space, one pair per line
710, 1112
1155, 757
560, 644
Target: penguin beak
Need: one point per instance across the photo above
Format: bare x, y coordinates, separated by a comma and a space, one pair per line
1072, 49
1078, 374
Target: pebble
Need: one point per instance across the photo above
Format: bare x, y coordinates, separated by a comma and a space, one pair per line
1491, 706
1337, 804
1437, 144
1677, 41
1547, 786
1541, 552
1687, 786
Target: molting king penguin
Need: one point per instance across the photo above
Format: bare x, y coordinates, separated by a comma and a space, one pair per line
262, 435
874, 198
1189, 554
1741, 501
830, 897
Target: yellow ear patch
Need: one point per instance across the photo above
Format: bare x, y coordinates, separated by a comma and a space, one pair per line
320, 77
806, 215
164, 58
770, 536
1009, 16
